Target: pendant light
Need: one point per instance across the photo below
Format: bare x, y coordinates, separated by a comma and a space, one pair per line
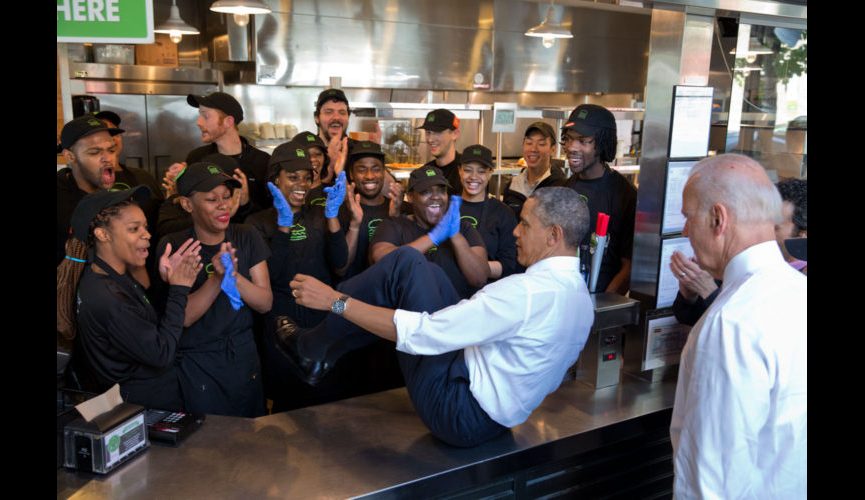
548, 30
175, 26
241, 9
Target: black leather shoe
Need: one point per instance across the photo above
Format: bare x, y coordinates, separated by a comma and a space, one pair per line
287, 333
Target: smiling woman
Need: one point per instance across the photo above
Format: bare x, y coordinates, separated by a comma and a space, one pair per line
121, 340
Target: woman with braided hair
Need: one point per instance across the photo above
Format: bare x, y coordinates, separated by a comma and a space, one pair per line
120, 336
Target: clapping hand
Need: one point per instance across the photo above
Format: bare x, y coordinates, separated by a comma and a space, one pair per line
449, 225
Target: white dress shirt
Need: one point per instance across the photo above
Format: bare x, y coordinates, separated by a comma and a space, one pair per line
739, 426
520, 335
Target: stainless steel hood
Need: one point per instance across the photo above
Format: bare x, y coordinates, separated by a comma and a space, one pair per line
450, 45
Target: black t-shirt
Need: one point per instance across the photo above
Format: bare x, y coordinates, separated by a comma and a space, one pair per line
123, 341
613, 195
373, 216
451, 171
495, 222
253, 162
309, 248
218, 363
316, 197
403, 230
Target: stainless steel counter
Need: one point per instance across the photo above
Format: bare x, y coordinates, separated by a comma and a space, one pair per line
373, 443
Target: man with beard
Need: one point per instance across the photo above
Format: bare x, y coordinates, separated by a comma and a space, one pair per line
91, 159
436, 232
218, 116
442, 129
368, 205
589, 140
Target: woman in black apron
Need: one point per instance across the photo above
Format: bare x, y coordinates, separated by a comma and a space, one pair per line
121, 338
218, 364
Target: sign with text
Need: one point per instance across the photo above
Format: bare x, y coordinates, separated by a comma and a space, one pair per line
105, 21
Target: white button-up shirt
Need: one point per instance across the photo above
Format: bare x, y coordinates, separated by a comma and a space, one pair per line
520, 335
739, 426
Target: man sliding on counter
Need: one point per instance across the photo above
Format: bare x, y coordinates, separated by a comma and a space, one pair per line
472, 368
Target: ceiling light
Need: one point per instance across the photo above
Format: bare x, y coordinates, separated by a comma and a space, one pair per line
241, 9
548, 31
175, 26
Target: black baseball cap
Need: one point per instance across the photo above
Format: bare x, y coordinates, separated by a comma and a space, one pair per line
329, 95
202, 177
90, 206
82, 127
108, 115
226, 163
478, 153
423, 178
797, 247
544, 128
362, 149
312, 140
289, 156
218, 100
589, 119
438, 120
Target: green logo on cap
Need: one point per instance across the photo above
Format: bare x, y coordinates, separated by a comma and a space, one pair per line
94, 122
300, 153
310, 138
476, 151
583, 114
431, 117
430, 173
214, 170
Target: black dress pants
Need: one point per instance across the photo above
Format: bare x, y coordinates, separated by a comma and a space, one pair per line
437, 385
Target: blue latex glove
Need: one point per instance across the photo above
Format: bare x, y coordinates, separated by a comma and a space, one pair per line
229, 282
335, 196
449, 225
285, 217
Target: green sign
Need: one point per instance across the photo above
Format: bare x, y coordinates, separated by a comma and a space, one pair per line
105, 21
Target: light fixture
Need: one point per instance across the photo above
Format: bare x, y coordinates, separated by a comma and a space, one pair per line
241, 9
548, 31
175, 26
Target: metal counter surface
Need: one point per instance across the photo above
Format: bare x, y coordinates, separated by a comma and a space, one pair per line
351, 447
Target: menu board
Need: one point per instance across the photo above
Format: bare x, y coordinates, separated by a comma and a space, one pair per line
677, 176
692, 120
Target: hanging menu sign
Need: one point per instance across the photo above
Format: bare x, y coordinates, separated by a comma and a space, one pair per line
692, 119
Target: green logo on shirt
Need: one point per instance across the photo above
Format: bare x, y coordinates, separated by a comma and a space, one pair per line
298, 233
472, 220
372, 226
317, 202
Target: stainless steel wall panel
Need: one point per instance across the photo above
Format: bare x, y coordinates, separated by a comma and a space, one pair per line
663, 72
608, 53
368, 50
171, 131
132, 111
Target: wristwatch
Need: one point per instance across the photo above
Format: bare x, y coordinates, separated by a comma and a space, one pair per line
338, 306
